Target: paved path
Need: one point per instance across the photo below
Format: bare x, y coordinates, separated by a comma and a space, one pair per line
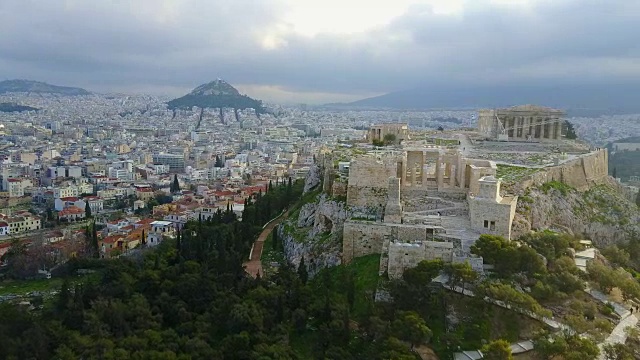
618, 335
619, 309
254, 265
549, 322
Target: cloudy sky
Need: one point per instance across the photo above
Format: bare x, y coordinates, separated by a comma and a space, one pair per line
317, 51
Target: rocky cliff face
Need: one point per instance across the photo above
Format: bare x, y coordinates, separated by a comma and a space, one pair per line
312, 180
601, 214
315, 233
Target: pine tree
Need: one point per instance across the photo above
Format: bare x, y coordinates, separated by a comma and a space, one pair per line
303, 274
87, 210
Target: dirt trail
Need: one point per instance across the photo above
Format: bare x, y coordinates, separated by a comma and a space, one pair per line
254, 265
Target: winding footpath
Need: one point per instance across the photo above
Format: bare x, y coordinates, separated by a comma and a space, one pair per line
254, 265
617, 336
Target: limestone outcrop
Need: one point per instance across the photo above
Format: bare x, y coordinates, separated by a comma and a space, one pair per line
313, 178
315, 232
601, 213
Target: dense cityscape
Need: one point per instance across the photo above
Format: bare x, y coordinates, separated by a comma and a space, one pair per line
319, 180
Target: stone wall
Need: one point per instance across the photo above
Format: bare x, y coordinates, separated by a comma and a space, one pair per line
361, 238
368, 180
339, 189
402, 256
581, 173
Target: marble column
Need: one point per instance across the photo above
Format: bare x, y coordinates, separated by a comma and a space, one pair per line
439, 173
424, 175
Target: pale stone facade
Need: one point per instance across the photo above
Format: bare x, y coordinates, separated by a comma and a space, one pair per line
489, 212
378, 132
432, 228
523, 122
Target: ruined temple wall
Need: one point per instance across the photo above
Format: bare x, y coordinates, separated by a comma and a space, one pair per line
581, 173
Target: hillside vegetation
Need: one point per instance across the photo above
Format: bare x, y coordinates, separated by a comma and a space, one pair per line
30, 86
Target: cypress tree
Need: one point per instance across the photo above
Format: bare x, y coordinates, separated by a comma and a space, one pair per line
638, 199
87, 210
178, 245
270, 187
614, 173
95, 248
274, 238
303, 274
175, 186
289, 192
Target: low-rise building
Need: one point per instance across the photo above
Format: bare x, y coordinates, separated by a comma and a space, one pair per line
71, 214
21, 222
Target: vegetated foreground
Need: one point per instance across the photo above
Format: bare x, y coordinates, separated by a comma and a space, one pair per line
191, 298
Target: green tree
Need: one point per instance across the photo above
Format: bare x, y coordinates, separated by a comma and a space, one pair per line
461, 274
303, 274
274, 238
638, 199
497, 350
512, 297
618, 352
489, 247
175, 185
424, 273
389, 139
412, 328
571, 132
87, 210
617, 256
569, 347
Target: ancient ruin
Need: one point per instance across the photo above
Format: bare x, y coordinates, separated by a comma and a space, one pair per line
525, 122
420, 201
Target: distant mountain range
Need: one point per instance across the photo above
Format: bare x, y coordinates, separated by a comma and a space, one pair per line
8, 86
216, 94
578, 100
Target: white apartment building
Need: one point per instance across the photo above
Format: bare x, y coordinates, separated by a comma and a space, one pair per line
14, 187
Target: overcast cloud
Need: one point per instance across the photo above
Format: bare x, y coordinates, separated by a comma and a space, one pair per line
321, 50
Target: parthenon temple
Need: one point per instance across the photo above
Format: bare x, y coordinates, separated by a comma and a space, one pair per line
525, 122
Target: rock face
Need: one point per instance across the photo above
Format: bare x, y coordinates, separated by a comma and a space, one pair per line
312, 180
315, 234
601, 214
